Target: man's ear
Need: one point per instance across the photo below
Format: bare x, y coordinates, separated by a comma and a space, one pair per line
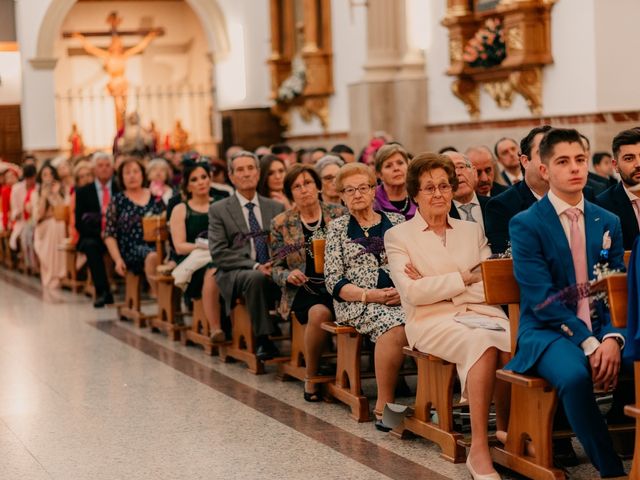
544, 171
614, 162
524, 161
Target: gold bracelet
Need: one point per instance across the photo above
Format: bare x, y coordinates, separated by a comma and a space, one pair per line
364, 296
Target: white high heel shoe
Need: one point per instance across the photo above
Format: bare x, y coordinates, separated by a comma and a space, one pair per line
475, 476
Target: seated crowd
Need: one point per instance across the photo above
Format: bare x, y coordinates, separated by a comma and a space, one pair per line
404, 236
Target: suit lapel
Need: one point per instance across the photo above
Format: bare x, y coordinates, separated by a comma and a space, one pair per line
550, 220
627, 213
266, 212
235, 212
594, 231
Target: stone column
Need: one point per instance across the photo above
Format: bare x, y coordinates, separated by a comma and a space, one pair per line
392, 94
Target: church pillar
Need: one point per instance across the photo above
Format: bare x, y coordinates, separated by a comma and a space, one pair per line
38, 108
392, 94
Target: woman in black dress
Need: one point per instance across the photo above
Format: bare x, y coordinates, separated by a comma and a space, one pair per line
189, 224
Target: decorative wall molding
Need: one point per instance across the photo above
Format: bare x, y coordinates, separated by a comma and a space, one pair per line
597, 118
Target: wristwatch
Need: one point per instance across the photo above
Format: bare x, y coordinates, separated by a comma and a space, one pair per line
618, 340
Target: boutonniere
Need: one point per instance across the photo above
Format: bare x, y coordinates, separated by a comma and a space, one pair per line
606, 246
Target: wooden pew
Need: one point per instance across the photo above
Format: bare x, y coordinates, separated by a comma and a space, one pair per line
200, 331
131, 308
435, 390
71, 279
243, 342
617, 292
533, 400
7, 254
347, 386
169, 318
295, 366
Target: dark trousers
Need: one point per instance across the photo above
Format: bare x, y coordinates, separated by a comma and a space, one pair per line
565, 366
259, 293
94, 249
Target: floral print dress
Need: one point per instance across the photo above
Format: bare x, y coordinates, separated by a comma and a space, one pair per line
124, 223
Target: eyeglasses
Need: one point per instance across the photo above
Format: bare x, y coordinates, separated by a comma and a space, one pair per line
328, 178
462, 167
300, 186
351, 191
431, 189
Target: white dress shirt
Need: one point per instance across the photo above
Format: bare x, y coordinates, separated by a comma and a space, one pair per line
245, 211
476, 211
634, 204
591, 344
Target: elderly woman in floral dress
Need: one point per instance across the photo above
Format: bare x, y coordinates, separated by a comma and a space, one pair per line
303, 290
357, 275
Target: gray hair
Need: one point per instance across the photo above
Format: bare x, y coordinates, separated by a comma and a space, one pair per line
159, 163
453, 155
101, 156
480, 149
243, 153
327, 160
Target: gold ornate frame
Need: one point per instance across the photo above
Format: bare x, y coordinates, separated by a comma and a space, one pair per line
527, 36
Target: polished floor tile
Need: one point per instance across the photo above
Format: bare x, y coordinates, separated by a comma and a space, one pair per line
83, 396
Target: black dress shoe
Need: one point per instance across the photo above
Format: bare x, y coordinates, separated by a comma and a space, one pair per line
101, 301
563, 453
267, 351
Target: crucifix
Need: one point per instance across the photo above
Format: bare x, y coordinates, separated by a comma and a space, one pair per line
115, 57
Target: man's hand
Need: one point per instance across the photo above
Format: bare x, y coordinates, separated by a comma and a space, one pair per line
265, 268
605, 364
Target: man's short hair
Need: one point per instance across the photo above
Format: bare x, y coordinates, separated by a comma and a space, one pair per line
555, 136
243, 153
495, 147
446, 149
626, 137
281, 148
342, 148
101, 156
584, 137
29, 171
599, 156
527, 142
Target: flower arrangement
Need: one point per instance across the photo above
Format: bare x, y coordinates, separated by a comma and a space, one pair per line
293, 86
487, 48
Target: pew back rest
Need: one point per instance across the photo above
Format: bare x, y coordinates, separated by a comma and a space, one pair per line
501, 288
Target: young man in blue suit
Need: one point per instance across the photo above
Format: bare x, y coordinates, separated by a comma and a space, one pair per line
555, 244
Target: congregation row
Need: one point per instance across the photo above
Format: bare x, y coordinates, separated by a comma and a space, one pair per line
403, 237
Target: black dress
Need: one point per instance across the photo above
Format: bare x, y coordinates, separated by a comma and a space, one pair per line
314, 291
197, 226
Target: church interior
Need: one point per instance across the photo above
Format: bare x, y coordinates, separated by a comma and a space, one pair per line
157, 326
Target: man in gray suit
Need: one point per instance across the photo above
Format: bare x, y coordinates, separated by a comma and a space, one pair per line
238, 244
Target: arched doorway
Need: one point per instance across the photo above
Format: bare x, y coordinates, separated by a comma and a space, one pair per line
206, 45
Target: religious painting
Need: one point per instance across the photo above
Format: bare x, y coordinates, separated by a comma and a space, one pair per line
483, 6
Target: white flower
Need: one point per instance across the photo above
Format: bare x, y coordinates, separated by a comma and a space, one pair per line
606, 241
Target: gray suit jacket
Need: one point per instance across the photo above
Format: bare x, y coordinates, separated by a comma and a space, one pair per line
226, 224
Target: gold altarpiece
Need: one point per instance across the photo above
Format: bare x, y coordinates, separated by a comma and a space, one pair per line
301, 35
526, 33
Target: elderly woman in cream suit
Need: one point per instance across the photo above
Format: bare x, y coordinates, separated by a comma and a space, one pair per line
433, 261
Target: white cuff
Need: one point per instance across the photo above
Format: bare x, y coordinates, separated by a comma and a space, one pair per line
615, 335
590, 345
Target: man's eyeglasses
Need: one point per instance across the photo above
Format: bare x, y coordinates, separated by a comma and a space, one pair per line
431, 189
351, 191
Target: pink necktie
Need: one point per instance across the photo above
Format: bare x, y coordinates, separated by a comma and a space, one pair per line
106, 198
579, 254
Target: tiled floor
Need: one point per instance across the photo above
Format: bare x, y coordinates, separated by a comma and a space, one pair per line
85, 397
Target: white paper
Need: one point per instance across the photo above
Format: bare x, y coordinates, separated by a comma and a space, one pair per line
474, 320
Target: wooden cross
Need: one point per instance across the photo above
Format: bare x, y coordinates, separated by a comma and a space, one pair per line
114, 20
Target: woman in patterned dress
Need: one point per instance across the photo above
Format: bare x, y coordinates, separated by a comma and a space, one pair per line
123, 233
357, 275
303, 289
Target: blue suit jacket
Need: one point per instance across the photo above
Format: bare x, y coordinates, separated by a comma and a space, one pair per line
543, 266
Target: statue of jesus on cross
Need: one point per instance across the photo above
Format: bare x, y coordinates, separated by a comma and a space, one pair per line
115, 58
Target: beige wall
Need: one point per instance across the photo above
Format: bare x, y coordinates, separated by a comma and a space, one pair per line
174, 63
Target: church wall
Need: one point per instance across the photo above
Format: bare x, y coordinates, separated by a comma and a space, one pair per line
242, 77
349, 29
11, 78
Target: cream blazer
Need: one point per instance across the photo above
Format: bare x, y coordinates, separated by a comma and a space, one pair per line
441, 292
